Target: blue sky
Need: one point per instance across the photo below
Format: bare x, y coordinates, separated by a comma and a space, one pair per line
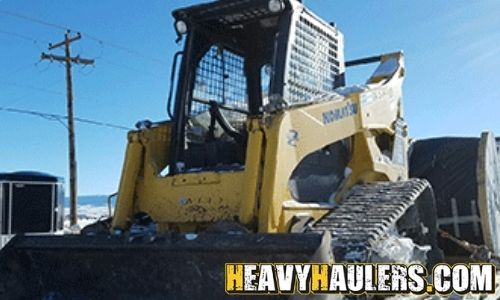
452, 83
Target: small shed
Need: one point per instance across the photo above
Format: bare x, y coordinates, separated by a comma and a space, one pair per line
30, 202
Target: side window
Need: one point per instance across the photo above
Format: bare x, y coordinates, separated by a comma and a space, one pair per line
265, 82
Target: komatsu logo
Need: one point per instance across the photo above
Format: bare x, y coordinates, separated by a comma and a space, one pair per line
337, 114
358, 279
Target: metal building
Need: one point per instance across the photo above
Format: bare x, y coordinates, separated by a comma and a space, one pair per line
30, 202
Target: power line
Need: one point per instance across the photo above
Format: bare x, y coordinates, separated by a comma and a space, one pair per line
132, 69
92, 37
59, 118
31, 19
126, 49
120, 65
43, 90
17, 70
15, 100
17, 35
22, 36
100, 123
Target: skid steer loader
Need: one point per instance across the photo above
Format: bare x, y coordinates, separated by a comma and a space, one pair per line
267, 157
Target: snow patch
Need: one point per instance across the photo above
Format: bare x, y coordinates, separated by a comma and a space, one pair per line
395, 248
87, 214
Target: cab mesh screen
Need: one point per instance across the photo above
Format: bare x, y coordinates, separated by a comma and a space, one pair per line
220, 77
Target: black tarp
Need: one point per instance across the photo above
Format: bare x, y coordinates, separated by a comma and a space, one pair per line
450, 165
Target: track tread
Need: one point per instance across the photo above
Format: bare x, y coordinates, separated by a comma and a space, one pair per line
365, 214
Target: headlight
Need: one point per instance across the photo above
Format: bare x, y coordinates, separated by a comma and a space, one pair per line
276, 6
181, 27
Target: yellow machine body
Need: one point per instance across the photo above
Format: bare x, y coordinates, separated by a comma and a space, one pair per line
267, 157
258, 196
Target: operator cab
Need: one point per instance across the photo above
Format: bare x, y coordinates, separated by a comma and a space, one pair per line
241, 56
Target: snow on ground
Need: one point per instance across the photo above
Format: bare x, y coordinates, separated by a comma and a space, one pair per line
87, 214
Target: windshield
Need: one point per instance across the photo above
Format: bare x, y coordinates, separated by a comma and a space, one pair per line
220, 77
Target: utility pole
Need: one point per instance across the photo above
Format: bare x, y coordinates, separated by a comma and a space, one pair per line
71, 129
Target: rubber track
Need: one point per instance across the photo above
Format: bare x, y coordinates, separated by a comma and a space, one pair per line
365, 214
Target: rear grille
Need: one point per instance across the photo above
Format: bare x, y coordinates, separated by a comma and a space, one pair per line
315, 60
